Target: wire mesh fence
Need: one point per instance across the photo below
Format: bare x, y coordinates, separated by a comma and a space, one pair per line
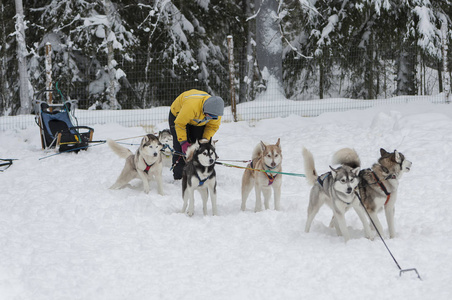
144, 89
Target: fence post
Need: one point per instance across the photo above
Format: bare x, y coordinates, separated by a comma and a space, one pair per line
231, 76
48, 65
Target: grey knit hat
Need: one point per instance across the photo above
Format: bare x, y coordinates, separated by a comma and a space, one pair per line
214, 105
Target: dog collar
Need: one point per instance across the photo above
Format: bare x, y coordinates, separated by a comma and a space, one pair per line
270, 168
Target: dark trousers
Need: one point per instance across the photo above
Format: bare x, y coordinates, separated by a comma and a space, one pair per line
194, 133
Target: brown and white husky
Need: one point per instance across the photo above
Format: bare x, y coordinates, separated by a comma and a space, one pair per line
264, 158
378, 186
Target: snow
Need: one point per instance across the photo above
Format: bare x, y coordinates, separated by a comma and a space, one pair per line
332, 22
65, 235
427, 31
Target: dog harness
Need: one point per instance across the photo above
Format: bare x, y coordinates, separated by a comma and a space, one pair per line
382, 186
322, 178
270, 177
148, 167
201, 181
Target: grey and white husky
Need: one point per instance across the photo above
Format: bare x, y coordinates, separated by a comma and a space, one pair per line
264, 157
378, 186
145, 164
337, 189
166, 138
199, 174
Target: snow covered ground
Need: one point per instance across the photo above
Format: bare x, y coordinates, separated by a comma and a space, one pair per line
65, 235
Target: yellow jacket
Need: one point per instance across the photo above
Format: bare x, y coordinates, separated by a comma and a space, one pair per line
188, 109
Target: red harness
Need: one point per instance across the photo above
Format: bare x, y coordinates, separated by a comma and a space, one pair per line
383, 188
148, 167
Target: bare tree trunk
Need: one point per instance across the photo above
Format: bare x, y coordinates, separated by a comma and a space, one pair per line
4, 97
111, 90
48, 64
444, 38
321, 78
369, 68
268, 39
250, 56
406, 70
25, 97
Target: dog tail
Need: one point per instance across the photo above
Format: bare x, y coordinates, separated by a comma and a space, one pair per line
258, 150
347, 157
191, 150
118, 149
309, 167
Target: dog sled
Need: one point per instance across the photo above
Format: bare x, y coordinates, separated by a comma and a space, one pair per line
55, 123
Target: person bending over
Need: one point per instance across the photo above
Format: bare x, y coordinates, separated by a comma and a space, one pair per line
194, 115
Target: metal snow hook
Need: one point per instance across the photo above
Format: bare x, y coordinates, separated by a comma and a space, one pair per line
401, 271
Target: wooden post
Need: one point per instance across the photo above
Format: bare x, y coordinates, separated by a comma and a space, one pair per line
231, 76
48, 65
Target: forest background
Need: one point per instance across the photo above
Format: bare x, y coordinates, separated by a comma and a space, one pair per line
140, 54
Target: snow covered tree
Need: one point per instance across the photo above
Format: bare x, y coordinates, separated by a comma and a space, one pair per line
85, 37
361, 40
417, 29
185, 46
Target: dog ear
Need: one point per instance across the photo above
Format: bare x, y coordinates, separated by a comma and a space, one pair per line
383, 152
397, 157
334, 172
277, 143
355, 171
263, 145
212, 142
145, 139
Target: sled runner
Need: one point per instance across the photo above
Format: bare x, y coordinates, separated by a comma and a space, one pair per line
54, 121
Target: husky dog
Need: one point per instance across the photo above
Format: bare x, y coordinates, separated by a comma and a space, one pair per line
378, 186
199, 174
337, 189
166, 138
264, 158
145, 164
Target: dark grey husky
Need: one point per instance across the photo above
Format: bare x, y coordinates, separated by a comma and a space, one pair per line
199, 174
337, 189
378, 186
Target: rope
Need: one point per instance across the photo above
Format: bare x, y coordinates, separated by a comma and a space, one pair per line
387, 248
242, 161
260, 170
74, 149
